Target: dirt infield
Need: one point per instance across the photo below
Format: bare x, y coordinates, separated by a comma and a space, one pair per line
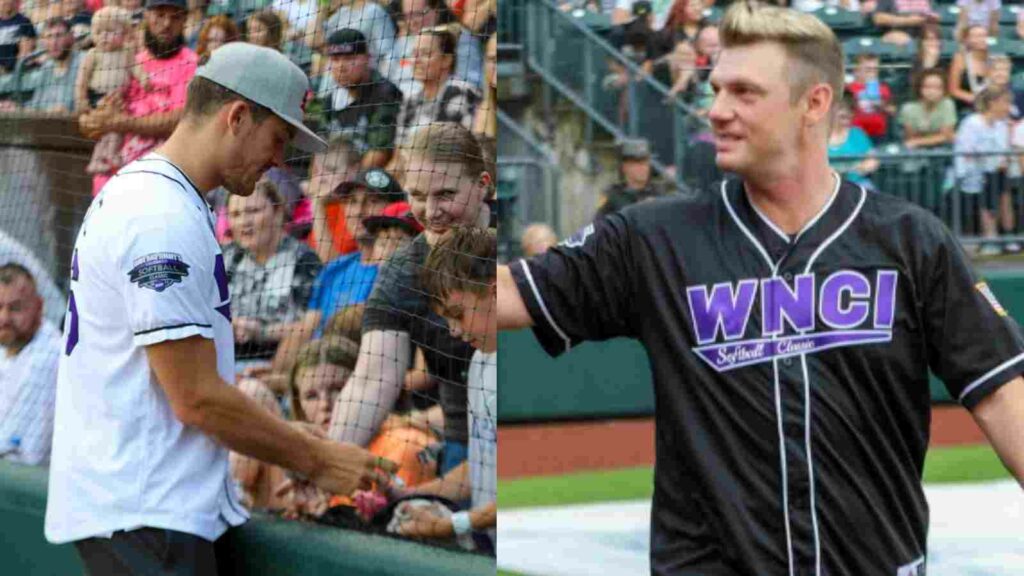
543, 449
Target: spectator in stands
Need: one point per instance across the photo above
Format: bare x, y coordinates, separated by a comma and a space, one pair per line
444, 97
80, 19
814, 5
14, 252
480, 17
329, 236
929, 120
29, 352
685, 20
899, 19
982, 178
625, 11
270, 274
41, 11
847, 140
447, 182
147, 117
708, 46
258, 482
300, 16
216, 32
107, 67
984, 13
420, 15
485, 122
264, 28
364, 15
391, 231
460, 278
536, 239
194, 20
637, 181
1000, 74
17, 35
53, 82
873, 98
968, 72
364, 107
929, 50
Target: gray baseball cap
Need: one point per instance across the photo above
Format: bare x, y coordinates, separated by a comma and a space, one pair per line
634, 149
269, 79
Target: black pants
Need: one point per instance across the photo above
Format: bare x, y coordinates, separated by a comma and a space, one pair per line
148, 551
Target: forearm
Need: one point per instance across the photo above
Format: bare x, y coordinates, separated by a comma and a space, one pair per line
484, 517
454, 486
932, 139
240, 424
512, 312
1001, 417
155, 125
373, 388
376, 158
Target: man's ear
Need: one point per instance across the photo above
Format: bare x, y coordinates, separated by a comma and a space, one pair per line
818, 103
236, 116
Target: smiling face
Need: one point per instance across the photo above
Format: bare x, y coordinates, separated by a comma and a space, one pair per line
933, 88
360, 204
429, 63
754, 123
255, 222
441, 195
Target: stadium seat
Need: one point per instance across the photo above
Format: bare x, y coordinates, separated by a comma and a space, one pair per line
600, 23
948, 15
1008, 14
713, 14
869, 45
841, 20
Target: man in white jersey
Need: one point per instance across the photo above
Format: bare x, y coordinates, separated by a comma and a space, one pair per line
145, 410
460, 276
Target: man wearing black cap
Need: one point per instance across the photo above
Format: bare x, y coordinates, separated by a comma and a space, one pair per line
637, 183
365, 105
147, 117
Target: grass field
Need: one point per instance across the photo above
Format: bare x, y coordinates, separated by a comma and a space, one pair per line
942, 465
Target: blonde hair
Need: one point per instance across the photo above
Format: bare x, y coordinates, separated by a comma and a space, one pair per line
448, 142
810, 45
331, 351
110, 17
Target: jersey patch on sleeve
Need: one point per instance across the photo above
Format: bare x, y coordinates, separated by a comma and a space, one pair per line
158, 271
579, 238
987, 293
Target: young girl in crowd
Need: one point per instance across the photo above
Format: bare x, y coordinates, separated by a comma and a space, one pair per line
107, 68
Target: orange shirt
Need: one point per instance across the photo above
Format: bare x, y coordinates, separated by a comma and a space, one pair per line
344, 242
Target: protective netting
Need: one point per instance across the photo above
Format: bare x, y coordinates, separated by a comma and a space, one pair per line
325, 262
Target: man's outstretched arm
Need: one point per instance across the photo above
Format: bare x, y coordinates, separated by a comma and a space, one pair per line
1001, 416
512, 312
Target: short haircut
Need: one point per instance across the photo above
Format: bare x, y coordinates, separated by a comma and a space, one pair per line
331, 351
986, 97
11, 271
346, 323
205, 97
813, 49
448, 142
58, 22
464, 260
923, 75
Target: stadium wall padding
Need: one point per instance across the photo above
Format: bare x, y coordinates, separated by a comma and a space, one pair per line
613, 379
263, 546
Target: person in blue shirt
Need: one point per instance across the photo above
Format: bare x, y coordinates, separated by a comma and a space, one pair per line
846, 141
348, 279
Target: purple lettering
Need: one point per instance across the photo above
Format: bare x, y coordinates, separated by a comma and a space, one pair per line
779, 302
726, 308
885, 298
833, 312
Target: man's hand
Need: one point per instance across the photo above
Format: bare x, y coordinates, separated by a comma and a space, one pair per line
344, 468
305, 500
424, 522
98, 122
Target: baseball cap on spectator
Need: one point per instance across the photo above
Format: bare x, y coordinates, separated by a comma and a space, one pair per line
175, 3
268, 78
635, 149
377, 182
346, 42
641, 8
395, 215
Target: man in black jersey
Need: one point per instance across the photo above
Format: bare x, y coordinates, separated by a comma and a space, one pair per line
791, 319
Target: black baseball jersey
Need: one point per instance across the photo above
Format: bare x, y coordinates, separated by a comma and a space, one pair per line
790, 373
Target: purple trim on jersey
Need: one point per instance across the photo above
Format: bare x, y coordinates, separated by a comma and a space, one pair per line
220, 273
69, 347
724, 357
74, 266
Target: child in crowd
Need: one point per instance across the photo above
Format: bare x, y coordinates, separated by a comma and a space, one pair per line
873, 97
107, 69
460, 275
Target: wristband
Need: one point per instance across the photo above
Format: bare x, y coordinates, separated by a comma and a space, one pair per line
461, 524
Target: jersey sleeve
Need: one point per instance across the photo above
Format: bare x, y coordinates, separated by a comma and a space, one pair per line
974, 346
165, 272
581, 289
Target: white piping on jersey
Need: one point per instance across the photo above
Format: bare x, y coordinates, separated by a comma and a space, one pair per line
543, 306
984, 378
778, 391
803, 358
807, 386
811, 222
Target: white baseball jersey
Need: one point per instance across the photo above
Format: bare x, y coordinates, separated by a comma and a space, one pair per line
483, 429
146, 269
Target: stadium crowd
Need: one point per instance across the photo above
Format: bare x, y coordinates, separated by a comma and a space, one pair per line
327, 260
930, 85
